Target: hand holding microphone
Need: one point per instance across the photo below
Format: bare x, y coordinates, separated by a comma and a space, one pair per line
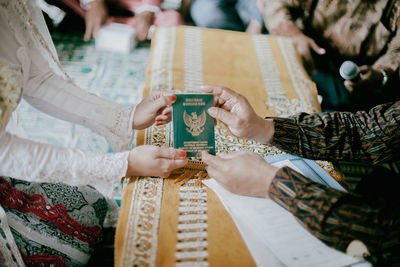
349, 71
363, 78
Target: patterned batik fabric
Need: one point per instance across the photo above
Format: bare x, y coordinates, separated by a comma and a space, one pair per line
371, 137
339, 218
366, 31
53, 223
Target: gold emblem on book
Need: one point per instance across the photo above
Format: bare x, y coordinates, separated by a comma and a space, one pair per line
194, 122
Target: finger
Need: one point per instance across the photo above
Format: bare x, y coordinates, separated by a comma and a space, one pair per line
218, 102
349, 85
176, 164
163, 101
226, 117
207, 89
214, 166
96, 28
223, 97
167, 111
363, 68
161, 118
141, 34
317, 48
221, 92
170, 153
88, 31
158, 123
365, 72
210, 160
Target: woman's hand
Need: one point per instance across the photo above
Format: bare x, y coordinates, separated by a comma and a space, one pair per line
95, 17
154, 108
244, 173
148, 160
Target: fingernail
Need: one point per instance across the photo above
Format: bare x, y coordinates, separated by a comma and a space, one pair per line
322, 51
211, 111
166, 112
182, 154
158, 119
172, 97
158, 123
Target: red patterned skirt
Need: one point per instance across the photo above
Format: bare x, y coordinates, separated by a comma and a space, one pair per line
53, 224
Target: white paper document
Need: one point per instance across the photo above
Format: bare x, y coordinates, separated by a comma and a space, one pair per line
273, 236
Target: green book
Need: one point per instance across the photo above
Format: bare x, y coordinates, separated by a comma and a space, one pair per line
193, 128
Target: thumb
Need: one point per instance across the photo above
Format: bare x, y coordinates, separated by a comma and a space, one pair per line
226, 117
210, 160
216, 166
316, 48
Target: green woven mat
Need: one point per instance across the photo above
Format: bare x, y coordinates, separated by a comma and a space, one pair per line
117, 77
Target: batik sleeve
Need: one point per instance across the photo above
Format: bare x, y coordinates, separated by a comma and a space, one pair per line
372, 136
337, 218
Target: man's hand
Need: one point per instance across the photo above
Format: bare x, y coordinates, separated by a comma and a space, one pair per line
235, 112
95, 17
370, 80
143, 21
243, 173
154, 108
156, 161
304, 46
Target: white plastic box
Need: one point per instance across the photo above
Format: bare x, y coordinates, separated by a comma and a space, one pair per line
116, 37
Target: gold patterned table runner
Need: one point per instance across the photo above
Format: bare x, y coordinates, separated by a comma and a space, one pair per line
164, 224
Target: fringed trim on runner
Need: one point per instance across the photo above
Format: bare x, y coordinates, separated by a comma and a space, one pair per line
193, 169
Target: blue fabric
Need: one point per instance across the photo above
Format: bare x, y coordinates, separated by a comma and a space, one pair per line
309, 168
225, 14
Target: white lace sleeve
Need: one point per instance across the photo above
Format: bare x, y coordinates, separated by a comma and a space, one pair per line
33, 161
45, 84
58, 97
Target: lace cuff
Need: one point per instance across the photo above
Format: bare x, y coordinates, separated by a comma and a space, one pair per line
120, 137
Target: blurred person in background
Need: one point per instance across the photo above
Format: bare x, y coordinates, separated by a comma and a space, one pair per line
235, 15
329, 32
140, 14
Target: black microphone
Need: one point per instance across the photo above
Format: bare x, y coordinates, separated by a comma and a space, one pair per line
349, 71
